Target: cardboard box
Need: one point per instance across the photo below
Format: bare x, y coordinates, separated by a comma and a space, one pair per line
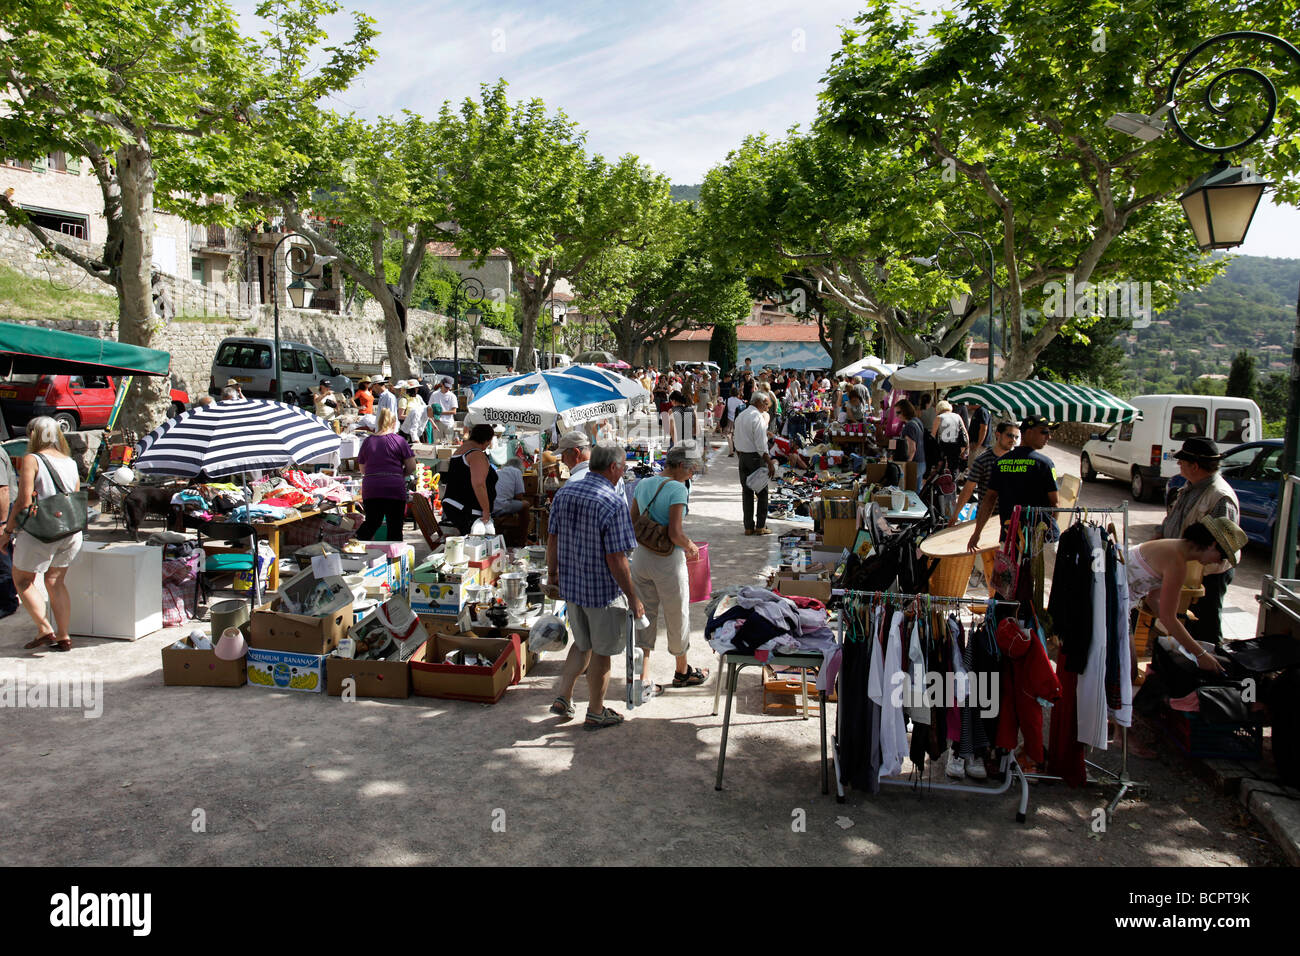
527, 658
790, 587
839, 532
286, 671
389, 549
874, 473
189, 667
387, 678
431, 677
273, 630
440, 624
394, 621
300, 588
447, 597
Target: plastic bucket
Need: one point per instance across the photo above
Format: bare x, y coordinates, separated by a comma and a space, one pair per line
699, 576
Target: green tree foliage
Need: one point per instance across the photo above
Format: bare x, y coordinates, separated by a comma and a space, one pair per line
1000, 108
664, 288
1242, 380
170, 104
723, 346
1273, 393
1088, 357
521, 180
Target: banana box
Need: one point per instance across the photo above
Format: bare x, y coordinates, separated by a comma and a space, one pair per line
443, 597
285, 671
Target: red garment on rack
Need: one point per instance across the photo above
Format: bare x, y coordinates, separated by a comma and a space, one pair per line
1065, 755
1027, 675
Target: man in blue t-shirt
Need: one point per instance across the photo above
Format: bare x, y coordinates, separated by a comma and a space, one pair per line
1023, 476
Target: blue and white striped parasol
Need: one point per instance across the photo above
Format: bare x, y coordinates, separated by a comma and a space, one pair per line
536, 399
227, 438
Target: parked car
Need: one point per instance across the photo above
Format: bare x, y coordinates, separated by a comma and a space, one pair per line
433, 371
248, 361
1142, 452
76, 402
1254, 471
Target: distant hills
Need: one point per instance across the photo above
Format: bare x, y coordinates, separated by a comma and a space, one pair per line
686, 193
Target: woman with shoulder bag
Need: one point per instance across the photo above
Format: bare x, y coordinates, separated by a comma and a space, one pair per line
660, 577
47, 471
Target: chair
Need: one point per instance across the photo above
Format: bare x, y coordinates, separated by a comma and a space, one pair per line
226, 562
426, 521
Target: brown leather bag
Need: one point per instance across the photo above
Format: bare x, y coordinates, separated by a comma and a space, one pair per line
651, 533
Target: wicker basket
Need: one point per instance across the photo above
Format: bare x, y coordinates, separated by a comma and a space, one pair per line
952, 575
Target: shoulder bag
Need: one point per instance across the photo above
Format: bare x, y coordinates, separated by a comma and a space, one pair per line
651, 533
59, 516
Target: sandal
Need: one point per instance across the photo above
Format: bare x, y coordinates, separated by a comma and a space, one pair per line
40, 641
606, 718
694, 677
562, 708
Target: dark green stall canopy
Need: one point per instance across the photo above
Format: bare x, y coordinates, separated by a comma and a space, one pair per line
30, 350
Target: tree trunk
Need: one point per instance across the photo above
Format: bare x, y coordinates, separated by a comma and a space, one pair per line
147, 402
395, 338
531, 301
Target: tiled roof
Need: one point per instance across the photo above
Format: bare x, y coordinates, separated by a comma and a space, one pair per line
447, 250
756, 333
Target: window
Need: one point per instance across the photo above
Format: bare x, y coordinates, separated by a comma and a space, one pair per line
293, 360
58, 162
1230, 425
76, 381
1126, 431
65, 223
244, 355
97, 381
1187, 421
19, 163
1238, 464
196, 270
1270, 465
323, 368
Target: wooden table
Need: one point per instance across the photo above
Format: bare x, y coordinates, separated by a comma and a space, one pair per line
271, 531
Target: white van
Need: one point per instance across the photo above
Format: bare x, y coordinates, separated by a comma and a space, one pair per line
1142, 452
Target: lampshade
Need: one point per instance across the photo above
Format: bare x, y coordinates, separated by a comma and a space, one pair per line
1221, 204
300, 293
960, 304
472, 315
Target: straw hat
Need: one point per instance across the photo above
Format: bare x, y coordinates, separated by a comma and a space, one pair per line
1228, 536
953, 541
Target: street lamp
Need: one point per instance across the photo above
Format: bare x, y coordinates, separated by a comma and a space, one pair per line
558, 309
1220, 206
473, 290
300, 291
960, 304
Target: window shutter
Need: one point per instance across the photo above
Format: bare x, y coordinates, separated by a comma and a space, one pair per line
38, 164
74, 165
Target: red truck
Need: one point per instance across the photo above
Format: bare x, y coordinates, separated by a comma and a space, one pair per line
76, 402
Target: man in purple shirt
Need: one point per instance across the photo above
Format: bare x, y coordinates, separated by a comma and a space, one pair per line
589, 536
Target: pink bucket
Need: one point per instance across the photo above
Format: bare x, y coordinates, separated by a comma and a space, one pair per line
699, 575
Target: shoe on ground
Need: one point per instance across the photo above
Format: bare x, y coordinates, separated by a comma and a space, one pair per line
956, 768
606, 718
975, 768
563, 708
749, 531
693, 677
650, 690
762, 531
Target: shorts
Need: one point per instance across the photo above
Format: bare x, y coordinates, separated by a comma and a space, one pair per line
601, 630
36, 557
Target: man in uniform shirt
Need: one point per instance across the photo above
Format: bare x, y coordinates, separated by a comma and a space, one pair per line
1024, 476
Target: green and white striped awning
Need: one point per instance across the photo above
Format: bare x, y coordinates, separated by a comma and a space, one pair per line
1055, 401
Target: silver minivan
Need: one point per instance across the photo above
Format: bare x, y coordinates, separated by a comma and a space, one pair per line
248, 361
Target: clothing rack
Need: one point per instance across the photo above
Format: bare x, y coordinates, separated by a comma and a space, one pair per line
1009, 768
1122, 779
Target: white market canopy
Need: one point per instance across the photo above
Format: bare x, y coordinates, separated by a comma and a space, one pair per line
937, 372
869, 364
1055, 401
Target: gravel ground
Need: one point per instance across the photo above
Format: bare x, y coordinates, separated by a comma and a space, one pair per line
284, 778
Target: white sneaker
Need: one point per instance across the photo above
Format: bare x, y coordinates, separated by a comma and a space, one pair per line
956, 767
975, 768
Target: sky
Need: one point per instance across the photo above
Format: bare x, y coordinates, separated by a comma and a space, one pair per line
679, 83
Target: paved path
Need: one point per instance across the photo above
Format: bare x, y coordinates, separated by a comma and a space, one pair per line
296, 778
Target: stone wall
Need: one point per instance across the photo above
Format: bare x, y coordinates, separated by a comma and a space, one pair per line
193, 344
19, 248
1076, 435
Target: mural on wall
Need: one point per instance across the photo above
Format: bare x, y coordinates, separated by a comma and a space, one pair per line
784, 354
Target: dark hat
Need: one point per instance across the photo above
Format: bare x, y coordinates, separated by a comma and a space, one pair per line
1199, 449
1035, 421
326, 383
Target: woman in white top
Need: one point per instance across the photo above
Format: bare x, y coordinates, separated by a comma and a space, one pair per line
47, 451
950, 431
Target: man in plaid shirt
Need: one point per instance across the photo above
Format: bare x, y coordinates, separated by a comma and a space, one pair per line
589, 536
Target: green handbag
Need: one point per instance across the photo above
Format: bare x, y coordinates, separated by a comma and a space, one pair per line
59, 516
